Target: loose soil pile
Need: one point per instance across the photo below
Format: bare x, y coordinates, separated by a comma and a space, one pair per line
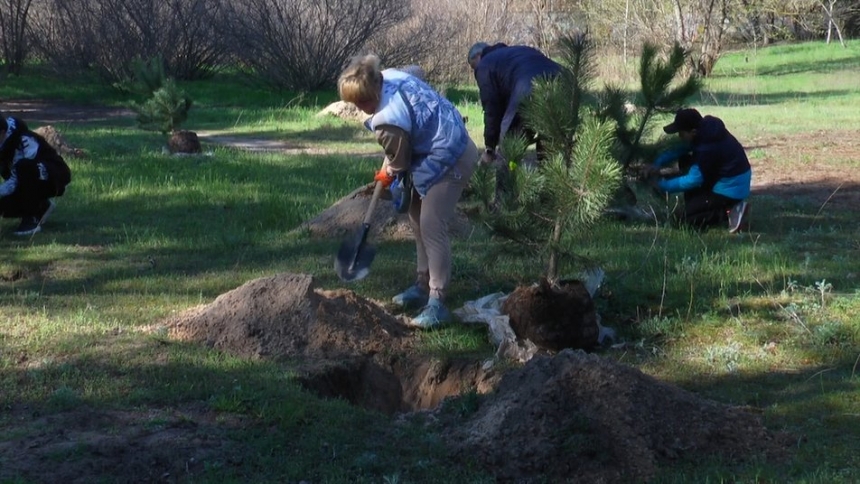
343, 345
577, 417
573, 416
347, 214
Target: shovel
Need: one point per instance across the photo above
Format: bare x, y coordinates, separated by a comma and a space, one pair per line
355, 254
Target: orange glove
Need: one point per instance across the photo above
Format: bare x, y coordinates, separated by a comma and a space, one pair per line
383, 176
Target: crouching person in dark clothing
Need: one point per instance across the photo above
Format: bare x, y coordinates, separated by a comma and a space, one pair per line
33, 174
716, 183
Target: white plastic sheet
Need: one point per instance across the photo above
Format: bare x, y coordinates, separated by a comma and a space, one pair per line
488, 310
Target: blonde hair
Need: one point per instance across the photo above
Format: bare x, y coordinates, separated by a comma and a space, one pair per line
361, 80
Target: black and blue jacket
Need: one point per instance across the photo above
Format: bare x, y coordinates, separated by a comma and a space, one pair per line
720, 163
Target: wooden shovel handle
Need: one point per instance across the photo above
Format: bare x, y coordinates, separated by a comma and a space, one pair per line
377, 190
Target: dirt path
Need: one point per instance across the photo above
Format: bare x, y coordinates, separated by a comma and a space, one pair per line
49, 112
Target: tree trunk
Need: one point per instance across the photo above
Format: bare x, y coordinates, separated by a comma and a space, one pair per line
680, 30
552, 265
712, 42
831, 22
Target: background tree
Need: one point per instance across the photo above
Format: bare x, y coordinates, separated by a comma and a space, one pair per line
830, 14
167, 106
104, 37
304, 44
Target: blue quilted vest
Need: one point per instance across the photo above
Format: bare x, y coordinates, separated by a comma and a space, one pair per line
436, 130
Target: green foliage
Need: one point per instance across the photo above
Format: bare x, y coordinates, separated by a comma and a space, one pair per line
543, 205
149, 76
165, 110
665, 86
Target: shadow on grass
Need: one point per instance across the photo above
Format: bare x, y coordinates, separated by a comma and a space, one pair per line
722, 99
245, 416
145, 406
806, 67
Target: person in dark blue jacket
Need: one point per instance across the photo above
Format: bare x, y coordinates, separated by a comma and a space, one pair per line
505, 75
717, 183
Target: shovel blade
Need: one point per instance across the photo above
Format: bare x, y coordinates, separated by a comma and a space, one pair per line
354, 258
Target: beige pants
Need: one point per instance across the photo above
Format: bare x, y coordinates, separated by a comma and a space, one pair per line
429, 218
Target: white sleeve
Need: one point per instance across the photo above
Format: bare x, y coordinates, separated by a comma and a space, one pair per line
9, 186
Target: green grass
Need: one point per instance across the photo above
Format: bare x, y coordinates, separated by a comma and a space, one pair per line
770, 319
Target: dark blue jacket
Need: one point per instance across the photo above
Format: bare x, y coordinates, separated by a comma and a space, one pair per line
720, 163
717, 152
504, 75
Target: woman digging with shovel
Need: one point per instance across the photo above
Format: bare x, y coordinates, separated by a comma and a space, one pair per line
423, 137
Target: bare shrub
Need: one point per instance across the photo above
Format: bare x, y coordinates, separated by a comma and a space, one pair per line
107, 35
303, 44
450, 27
13, 34
423, 40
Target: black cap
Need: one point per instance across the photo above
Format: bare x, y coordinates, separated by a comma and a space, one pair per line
685, 120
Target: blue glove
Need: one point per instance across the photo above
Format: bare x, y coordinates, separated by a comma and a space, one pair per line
401, 193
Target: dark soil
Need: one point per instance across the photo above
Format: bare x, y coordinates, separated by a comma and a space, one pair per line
581, 418
554, 317
345, 346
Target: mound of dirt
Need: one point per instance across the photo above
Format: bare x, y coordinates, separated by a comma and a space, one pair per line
58, 141
343, 346
572, 417
284, 317
577, 417
344, 110
347, 214
184, 142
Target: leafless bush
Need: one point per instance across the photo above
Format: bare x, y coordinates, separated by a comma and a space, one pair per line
107, 35
13, 33
423, 40
304, 44
450, 27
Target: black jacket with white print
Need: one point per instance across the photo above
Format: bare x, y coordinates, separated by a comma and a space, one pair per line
25, 158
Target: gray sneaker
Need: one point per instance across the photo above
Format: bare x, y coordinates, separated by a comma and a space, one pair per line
414, 296
738, 217
434, 314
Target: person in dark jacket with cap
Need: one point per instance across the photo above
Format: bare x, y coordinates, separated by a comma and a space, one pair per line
33, 174
505, 75
717, 183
